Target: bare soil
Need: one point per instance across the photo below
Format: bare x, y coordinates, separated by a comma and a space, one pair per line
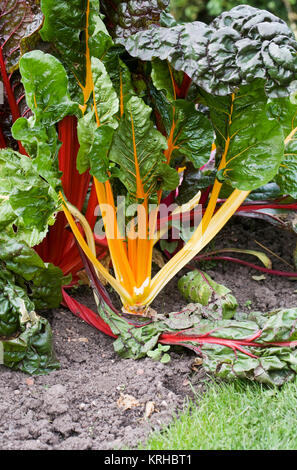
82, 406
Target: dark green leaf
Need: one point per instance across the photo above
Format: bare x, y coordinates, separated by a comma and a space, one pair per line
18, 19
126, 17
32, 350
107, 102
194, 181
236, 48
285, 112
99, 161
137, 149
65, 24
252, 144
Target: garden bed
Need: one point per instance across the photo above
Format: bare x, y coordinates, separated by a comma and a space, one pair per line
81, 406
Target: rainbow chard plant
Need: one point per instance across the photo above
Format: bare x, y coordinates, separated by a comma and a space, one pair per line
250, 154
134, 95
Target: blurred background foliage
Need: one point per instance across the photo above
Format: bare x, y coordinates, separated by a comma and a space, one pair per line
202, 10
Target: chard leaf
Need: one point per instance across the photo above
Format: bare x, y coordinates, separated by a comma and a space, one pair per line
26, 283
127, 16
96, 128
280, 326
41, 143
42, 281
230, 349
285, 112
119, 74
137, 149
164, 78
46, 86
17, 20
268, 192
76, 30
95, 143
198, 287
193, 181
190, 135
251, 143
86, 127
239, 46
12, 299
106, 100
99, 161
29, 347
286, 177
27, 201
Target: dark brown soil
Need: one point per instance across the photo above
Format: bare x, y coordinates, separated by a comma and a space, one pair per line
78, 407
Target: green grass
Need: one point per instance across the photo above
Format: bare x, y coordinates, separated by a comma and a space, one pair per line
235, 416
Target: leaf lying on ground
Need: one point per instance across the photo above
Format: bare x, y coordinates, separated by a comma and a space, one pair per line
260, 347
198, 287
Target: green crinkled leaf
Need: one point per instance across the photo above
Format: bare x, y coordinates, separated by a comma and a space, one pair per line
138, 150
31, 351
157, 354
287, 175
285, 112
65, 27
162, 77
86, 127
268, 192
25, 338
189, 132
132, 342
46, 86
95, 143
96, 128
12, 300
193, 134
252, 144
107, 102
119, 74
27, 201
280, 325
41, 280
230, 349
127, 16
239, 46
168, 176
198, 287
99, 161
275, 369
257, 346
42, 145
